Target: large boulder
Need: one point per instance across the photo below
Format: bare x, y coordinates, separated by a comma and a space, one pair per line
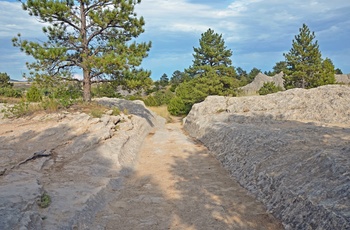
290, 149
75, 159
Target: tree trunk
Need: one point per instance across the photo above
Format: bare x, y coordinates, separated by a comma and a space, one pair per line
86, 70
86, 86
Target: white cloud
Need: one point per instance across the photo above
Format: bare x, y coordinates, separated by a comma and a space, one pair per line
13, 19
257, 31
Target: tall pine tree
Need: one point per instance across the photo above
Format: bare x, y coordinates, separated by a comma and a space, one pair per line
211, 57
96, 36
305, 68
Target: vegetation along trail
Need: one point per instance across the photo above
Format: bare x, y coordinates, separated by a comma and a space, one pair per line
177, 184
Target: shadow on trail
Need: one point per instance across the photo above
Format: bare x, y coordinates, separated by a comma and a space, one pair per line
210, 199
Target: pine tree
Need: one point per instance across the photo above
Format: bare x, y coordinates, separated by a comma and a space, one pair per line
5, 80
164, 80
304, 63
212, 55
95, 36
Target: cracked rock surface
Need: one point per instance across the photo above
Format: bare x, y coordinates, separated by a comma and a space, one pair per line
72, 157
289, 149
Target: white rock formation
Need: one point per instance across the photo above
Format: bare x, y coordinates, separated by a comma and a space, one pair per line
259, 81
290, 149
76, 159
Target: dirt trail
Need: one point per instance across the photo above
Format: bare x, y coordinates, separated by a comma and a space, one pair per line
177, 184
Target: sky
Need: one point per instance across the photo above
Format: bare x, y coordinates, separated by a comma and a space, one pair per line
257, 31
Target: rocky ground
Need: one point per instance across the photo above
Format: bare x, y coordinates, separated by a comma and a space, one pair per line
116, 172
289, 149
72, 157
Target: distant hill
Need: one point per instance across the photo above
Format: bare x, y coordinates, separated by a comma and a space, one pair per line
13, 81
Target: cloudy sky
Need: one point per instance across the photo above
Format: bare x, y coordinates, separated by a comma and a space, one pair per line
257, 31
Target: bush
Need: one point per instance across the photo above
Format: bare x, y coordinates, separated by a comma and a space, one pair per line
33, 94
269, 87
159, 98
10, 92
105, 89
150, 101
177, 107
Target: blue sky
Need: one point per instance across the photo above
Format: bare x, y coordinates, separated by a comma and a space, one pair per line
257, 31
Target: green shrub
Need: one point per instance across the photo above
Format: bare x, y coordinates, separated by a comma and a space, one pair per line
10, 92
115, 111
177, 107
44, 201
33, 94
269, 87
50, 105
150, 101
96, 112
105, 89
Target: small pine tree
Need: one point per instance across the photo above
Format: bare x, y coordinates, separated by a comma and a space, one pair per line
211, 55
33, 94
5, 80
269, 87
305, 68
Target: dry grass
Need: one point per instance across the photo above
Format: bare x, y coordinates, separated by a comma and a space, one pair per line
163, 112
10, 100
92, 108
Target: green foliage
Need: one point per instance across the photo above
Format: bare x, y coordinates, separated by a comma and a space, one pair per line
51, 105
151, 101
278, 68
10, 92
5, 81
269, 87
96, 36
338, 71
34, 94
96, 112
105, 89
199, 88
115, 111
177, 78
44, 201
210, 74
211, 56
164, 80
159, 98
252, 74
177, 107
305, 68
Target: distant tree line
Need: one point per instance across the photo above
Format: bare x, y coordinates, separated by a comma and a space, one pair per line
212, 73
98, 37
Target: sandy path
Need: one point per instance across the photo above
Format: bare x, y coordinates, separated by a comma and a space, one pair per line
176, 184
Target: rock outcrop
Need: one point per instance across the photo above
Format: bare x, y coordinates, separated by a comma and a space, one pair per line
342, 78
290, 149
259, 81
72, 158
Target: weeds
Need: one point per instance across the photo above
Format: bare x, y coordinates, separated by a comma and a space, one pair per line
115, 111
96, 112
44, 201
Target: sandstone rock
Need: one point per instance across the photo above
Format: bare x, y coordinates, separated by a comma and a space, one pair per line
290, 149
259, 81
86, 157
342, 78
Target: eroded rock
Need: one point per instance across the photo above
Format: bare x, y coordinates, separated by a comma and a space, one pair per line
85, 157
290, 149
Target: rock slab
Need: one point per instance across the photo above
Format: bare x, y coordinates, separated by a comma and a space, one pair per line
76, 159
290, 149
